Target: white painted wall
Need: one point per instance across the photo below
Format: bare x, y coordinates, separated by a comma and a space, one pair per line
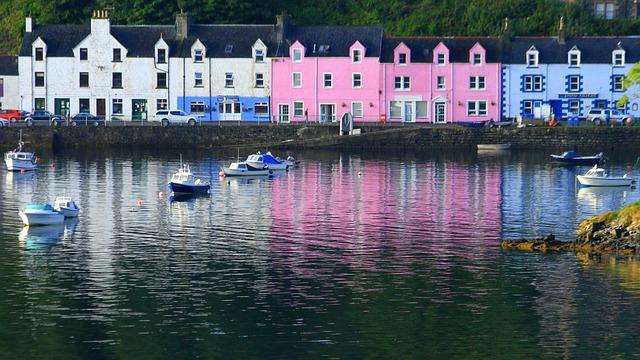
11, 97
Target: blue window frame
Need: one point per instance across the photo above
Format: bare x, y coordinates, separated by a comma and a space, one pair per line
573, 83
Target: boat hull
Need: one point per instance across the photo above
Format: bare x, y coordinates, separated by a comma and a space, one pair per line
177, 188
259, 165
69, 213
585, 160
41, 219
18, 165
494, 146
235, 172
597, 181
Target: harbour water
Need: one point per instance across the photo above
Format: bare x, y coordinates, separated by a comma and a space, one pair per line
349, 256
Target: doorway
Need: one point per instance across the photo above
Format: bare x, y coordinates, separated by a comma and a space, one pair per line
283, 113
61, 107
101, 108
327, 112
440, 112
229, 110
138, 109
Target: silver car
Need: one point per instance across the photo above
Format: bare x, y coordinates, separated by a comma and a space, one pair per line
606, 116
168, 117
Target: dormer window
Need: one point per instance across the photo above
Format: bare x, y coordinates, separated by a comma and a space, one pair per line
162, 56
618, 58
117, 55
356, 56
477, 59
228, 49
259, 55
84, 54
440, 59
532, 57
198, 55
297, 55
402, 58
574, 57
39, 54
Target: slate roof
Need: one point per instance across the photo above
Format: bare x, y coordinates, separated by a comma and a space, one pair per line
593, 50
9, 65
422, 48
339, 39
141, 39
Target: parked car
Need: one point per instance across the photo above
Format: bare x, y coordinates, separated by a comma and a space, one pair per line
44, 117
4, 122
84, 118
167, 117
606, 116
13, 115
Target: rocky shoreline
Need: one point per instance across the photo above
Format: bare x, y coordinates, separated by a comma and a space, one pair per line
612, 232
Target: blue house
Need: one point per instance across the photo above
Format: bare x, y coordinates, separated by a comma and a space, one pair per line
566, 76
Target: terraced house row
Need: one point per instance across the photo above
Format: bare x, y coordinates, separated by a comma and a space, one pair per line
289, 73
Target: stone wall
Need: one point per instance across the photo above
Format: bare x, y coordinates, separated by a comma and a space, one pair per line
373, 137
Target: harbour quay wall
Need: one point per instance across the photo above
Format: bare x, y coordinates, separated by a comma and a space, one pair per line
321, 136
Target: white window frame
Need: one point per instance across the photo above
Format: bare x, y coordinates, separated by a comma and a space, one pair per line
228, 80
356, 56
198, 55
473, 58
444, 59
577, 83
261, 84
476, 84
402, 83
196, 103
615, 54
296, 55
258, 55
162, 104
426, 109
293, 80
473, 108
158, 55
353, 80
197, 80
324, 80
574, 54
617, 88
353, 109
295, 113
400, 59
524, 107
571, 103
117, 102
441, 85
261, 104
399, 107
532, 57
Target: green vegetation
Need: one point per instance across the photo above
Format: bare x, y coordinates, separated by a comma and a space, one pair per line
628, 217
399, 17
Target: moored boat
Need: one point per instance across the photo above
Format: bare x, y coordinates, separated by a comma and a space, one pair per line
244, 169
40, 214
184, 182
259, 161
598, 177
67, 206
17, 160
494, 146
572, 158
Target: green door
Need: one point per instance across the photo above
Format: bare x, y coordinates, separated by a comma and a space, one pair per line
61, 107
138, 109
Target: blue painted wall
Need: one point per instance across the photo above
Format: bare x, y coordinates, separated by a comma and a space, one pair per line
212, 112
595, 88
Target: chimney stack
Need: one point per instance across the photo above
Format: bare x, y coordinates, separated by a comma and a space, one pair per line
282, 26
561, 32
183, 22
28, 24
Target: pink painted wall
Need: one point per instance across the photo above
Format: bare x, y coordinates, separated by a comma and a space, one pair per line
313, 93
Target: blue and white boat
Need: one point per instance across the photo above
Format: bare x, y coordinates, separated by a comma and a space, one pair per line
40, 214
244, 169
259, 161
184, 182
67, 206
572, 158
17, 160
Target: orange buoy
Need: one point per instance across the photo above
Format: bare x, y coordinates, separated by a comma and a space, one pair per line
221, 173
21, 171
160, 195
139, 203
53, 164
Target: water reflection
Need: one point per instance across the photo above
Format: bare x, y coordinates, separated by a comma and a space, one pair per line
45, 237
594, 198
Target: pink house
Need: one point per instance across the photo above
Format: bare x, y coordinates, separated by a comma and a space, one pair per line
324, 72
441, 80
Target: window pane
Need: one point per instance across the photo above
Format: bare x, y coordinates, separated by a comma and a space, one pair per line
395, 109
421, 109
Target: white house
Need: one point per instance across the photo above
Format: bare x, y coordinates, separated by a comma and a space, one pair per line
221, 72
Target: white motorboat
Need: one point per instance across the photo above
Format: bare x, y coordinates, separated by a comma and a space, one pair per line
244, 169
494, 146
67, 206
261, 160
290, 161
184, 182
17, 160
598, 177
41, 214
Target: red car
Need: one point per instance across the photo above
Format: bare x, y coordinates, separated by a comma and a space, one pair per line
12, 115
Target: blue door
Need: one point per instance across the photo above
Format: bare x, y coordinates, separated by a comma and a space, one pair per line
556, 108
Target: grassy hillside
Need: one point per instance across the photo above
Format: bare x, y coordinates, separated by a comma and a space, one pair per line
399, 17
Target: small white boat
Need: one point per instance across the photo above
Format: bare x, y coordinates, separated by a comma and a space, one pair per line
290, 161
17, 160
244, 169
184, 182
40, 214
494, 146
261, 160
67, 206
598, 177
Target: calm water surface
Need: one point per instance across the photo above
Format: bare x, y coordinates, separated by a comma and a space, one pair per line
349, 256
